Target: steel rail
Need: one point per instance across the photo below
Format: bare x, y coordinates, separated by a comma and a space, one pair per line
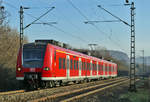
12, 92
94, 91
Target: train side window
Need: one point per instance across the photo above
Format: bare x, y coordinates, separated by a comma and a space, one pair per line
91, 66
64, 60
71, 64
99, 67
82, 65
54, 55
112, 68
87, 66
74, 64
77, 65
60, 63
106, 67
109, 68
102, 67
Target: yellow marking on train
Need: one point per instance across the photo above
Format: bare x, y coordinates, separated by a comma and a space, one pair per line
67, 53
60, 51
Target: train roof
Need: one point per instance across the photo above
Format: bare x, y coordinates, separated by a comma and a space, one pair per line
75, 53
39, 44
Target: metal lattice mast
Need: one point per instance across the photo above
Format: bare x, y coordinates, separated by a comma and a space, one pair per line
21, 26
132, 53
21, 22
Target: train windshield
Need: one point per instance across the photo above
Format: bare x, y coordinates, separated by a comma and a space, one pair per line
33, 58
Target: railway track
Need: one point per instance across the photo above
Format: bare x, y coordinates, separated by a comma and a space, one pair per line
51, 92
79, 93
11, 92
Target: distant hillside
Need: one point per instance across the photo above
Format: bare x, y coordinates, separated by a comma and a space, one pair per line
121, 56
139, 60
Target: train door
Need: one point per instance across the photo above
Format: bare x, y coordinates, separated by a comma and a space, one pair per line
68, 66
80, 63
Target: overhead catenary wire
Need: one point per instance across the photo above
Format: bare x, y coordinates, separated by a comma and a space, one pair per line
109, 37
111, 31
69, 21
57, 28
116, 43
113, 15
79, 11
61, 30
39, 17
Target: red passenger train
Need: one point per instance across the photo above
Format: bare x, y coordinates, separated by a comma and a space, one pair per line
45, 65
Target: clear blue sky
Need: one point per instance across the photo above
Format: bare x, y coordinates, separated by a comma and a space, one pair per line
114, 36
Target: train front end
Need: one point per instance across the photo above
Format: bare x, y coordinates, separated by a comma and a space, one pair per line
30, 64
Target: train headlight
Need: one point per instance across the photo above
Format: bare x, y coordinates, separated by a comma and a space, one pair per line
19, 69
46, 69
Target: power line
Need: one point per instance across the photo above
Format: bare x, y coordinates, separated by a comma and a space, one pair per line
63, 30
39, 17
69, 1
113, 15
79, 11
69, 22
59, 29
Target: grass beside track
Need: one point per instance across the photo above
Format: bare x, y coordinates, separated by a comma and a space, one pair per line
121, 94
142, 94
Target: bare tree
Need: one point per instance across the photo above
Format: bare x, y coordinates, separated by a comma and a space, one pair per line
3, 15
